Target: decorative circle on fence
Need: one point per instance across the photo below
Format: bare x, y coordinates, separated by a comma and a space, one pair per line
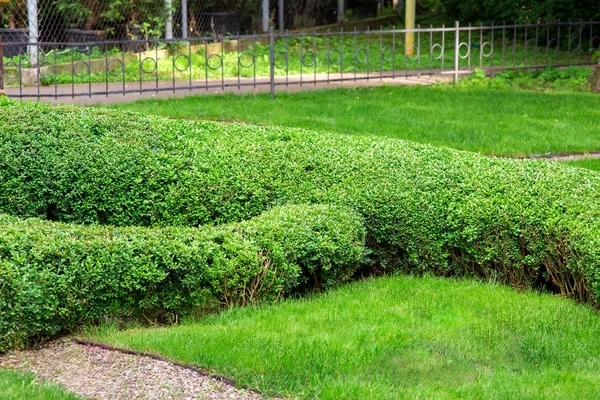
52, 70
417, 53
312, 58
512, 44
212, 57
357, 57
41, 57
578, 44
285, 59
187, 63
115, 72
339, 57
436, 47
531, 46
11, 64
552, 43
483, 52
83, 73
468, 53
241, 63
595, 43
389, 51
148, 71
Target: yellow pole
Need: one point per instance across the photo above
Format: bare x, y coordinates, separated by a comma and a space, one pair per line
410, 24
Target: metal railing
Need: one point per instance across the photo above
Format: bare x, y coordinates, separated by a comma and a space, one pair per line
1, 66
274, 60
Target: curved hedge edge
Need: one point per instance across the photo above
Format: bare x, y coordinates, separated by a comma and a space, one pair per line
55, 276
325, 241
426, 209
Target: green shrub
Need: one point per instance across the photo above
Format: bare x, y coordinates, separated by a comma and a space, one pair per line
325, 242
550, 79
55, 276
524, 11
426, 209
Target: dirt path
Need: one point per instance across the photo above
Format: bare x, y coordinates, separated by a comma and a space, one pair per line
77, 94
97, 373
566, 157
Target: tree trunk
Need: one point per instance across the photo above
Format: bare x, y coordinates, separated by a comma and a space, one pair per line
595, 79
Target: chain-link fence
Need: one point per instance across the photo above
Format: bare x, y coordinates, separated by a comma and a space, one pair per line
81, 20
60, 21
34, 29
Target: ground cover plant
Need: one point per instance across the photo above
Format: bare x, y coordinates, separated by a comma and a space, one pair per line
502, 121
567, 79
18, 386
424, 209
390, 338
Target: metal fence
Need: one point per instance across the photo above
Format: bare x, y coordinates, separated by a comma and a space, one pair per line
273, 60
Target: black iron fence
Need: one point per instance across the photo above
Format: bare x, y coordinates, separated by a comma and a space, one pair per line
273, 60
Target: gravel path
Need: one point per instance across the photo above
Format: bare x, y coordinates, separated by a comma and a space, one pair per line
96, 373
565, 157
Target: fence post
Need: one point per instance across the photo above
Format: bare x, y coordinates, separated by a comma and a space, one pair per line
272, 61
184, 19
1, 67
265, 15
456, 51
169, 19
281, 15
32, 23
409, 18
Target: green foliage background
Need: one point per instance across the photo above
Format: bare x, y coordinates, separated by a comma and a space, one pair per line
520, 11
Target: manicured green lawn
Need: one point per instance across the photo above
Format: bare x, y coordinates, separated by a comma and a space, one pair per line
17, 386
588, 163
510, 122
396, 337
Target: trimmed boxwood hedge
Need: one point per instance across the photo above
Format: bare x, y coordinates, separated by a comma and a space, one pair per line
55, 276
426, 209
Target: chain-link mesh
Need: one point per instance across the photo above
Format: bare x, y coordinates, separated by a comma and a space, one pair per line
300, 14
304, 14
92, 20
223, 17
83, 21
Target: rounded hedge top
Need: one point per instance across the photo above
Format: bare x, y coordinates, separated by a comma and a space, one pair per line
529, 223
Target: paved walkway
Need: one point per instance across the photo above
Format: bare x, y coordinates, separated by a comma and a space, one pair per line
109, 93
